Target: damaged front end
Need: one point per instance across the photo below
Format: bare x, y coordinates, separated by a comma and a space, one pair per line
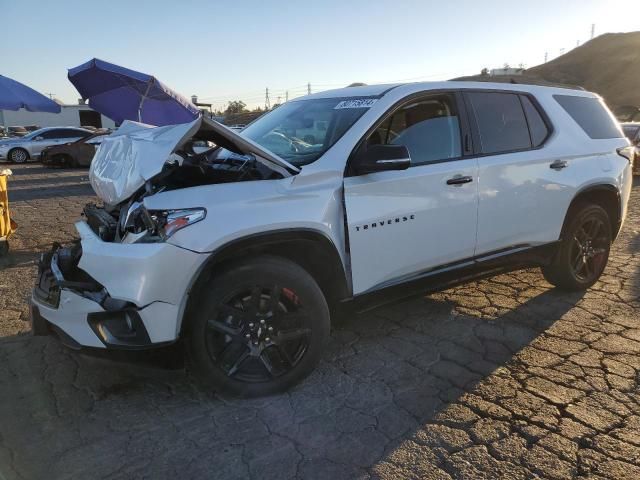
115, 323
116, 287
139, 161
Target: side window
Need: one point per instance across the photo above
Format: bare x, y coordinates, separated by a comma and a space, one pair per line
591, 115
69, 133
51, 134
429, 128
501, 122
537, 127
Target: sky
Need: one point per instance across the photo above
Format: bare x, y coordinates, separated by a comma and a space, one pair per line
233, 50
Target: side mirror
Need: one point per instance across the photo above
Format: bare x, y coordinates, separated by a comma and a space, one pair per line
381, 158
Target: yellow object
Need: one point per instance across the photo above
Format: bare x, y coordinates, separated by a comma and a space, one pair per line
7, 226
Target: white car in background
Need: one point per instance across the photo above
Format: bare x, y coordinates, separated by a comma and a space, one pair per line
245, 251
23, 149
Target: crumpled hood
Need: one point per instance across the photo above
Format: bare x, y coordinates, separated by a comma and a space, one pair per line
136, 152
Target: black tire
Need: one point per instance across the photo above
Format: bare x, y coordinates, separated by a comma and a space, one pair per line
259, 327
18, 155
4, 247
67, 161
584, 249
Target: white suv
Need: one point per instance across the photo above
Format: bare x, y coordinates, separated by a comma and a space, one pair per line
246, 252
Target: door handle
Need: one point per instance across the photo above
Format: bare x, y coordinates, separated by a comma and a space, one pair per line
459, 180
558, 164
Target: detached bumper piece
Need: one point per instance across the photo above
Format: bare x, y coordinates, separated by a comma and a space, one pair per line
116, 323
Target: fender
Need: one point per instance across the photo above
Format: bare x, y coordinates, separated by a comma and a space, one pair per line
311, 249
604, 191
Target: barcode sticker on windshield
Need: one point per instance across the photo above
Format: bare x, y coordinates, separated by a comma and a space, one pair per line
356, 103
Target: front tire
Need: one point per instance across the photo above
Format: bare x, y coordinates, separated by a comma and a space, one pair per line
584, 250
18, 155
259, 328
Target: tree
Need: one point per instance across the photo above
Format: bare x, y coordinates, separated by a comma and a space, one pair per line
484, 72
237, 106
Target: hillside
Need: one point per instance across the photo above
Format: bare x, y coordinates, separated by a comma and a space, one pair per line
608, 65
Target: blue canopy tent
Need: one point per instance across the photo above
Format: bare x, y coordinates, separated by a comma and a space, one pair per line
123, 94
15, 95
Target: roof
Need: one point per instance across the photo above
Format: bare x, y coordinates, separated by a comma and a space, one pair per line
380, 90
362, 91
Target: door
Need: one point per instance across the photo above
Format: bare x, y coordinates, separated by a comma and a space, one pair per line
45, 139
405, 224
522, 201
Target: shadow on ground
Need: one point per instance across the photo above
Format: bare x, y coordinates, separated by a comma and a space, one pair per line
385, 375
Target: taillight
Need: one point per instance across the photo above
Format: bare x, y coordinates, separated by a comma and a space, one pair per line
627, 152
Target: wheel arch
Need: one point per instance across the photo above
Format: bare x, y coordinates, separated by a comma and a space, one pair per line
311, 249
19, 148
605, 195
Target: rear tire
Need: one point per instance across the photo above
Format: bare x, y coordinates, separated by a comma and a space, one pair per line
259, 327
584, 250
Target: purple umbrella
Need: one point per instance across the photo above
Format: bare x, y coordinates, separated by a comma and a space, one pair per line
14, 96
123, 94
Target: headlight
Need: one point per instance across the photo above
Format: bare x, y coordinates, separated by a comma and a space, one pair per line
170, 221
157, 225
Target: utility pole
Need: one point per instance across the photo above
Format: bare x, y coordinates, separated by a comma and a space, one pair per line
286, 96
309, 88
546, 55
593, 30
267, 102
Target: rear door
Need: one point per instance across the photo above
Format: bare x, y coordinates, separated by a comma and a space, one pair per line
522, 198
406, 224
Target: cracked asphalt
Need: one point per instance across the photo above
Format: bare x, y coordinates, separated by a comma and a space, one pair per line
503, 378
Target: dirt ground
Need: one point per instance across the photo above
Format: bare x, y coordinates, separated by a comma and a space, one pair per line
504, 378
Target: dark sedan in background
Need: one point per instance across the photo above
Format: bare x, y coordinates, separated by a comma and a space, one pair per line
73, 154
632, 132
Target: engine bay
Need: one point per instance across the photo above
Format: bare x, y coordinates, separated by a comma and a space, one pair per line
197, 163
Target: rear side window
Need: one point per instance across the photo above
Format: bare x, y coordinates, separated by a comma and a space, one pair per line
502, 125
69, 133
591, 115
537, 127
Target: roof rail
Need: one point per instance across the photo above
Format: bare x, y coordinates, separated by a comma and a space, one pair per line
516, 80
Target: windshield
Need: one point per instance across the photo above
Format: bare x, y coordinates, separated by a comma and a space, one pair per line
34, 134
300, 132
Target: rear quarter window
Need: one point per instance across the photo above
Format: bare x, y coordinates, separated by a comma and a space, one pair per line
591, 114
501, 121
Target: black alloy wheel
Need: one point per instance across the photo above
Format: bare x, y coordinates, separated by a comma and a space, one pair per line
258, 334
589, 249
584, 249
257, 327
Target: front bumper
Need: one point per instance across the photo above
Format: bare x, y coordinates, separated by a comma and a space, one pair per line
111, 295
